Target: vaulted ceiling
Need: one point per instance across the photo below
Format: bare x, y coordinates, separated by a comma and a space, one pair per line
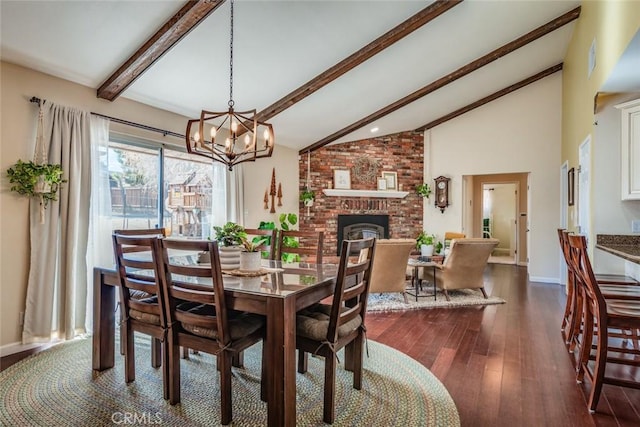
320, 71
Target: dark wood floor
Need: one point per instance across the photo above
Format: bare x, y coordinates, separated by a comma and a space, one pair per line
505, 365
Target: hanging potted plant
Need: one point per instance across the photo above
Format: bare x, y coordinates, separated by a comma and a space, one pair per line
36, 180
307, 197
423, 190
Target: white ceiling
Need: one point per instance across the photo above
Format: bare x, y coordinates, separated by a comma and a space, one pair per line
279, 46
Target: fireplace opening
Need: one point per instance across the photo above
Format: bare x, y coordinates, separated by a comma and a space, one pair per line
352, 227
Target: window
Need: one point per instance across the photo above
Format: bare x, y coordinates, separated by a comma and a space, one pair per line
151, 187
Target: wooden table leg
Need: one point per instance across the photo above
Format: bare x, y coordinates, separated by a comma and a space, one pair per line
281, 355
103, 322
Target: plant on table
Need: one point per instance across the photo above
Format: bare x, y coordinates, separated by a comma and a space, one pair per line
425, 238
230, 234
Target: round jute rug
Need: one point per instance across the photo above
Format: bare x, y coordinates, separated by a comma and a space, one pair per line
56, 388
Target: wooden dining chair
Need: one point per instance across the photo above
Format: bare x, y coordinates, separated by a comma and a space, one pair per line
137, 262
135, 294
324, 329
612, 286
268, 248
601, 314
309, 245
198, 317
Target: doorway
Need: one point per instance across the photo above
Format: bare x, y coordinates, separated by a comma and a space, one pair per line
512, 231
499, 208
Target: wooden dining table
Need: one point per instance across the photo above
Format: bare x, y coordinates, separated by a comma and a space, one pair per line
278, 294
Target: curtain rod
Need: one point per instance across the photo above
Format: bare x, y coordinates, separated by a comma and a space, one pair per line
164, 132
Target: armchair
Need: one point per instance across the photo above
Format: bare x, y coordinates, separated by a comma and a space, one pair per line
464, 266
389, 266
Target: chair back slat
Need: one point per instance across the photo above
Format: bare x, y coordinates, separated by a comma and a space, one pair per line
138, 264
184, 288
143, 232
352, 285
268, 248
310, 245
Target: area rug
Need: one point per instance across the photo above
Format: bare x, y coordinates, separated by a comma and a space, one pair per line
459, 298
56, 388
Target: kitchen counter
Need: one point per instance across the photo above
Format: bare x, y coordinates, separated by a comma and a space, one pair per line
623, 246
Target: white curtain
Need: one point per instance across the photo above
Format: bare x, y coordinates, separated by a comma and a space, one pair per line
235, 195
99, 253
57, 288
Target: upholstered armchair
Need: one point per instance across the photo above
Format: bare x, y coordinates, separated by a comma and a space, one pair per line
463, 268
390, 266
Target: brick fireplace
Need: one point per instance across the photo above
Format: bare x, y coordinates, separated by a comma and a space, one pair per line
401, 153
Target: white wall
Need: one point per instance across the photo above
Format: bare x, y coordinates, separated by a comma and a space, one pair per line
609, 214
519, 132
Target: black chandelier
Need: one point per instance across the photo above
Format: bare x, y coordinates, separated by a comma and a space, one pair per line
235, 136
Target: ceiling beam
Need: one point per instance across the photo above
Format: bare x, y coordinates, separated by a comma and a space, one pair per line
451, 77
421, 18
178, 26
492, 97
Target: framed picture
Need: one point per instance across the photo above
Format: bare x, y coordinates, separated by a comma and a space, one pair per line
392, 180
382, 184
571, 183
342, 179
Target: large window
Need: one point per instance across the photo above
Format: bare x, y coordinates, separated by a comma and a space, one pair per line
152, 187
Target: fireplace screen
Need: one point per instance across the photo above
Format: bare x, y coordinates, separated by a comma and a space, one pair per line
351, 227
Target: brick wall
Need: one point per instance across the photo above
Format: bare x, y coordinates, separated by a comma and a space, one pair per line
401, 153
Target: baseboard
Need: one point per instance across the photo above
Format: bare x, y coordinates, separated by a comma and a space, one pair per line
554, 280
17, 347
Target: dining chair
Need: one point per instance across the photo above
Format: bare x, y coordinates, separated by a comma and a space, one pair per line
135, 294
199, 319
137, 262
612, 286
601, 314
268, 248
309, 245
324, 329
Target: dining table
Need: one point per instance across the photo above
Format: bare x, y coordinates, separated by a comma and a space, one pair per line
278, 293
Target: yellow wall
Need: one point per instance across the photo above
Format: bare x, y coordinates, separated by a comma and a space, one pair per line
18, 118
613, 24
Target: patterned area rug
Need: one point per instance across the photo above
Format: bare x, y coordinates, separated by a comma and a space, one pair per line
56, 388
459, 298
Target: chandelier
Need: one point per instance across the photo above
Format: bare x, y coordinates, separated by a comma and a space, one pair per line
235, 136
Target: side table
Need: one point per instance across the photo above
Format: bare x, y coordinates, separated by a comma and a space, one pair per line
415, 280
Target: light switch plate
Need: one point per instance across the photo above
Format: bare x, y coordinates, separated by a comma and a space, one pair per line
635, 226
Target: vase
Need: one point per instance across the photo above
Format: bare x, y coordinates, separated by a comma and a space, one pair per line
229, 257
426, 250
250, 261
308, 203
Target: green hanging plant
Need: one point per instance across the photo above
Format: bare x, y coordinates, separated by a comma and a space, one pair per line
36, 180
423, 190
307, 197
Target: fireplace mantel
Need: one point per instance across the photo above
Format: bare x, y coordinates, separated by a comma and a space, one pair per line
366, 193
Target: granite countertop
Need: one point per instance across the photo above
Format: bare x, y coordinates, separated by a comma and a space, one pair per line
624, 246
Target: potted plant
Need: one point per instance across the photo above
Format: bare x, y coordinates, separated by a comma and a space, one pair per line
423, 190
250, 256
229, 238
425, 242
307, 197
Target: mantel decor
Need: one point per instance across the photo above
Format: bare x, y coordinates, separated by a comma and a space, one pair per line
365, 169
233, 124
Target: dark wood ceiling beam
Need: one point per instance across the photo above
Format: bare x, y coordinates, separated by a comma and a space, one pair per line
178, 26
492, 97
450, 78
421, 18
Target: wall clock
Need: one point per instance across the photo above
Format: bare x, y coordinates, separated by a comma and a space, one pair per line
442, 192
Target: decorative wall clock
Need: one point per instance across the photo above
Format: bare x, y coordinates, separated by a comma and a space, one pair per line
442, 192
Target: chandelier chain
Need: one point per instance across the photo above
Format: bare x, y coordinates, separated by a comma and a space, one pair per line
231, 60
